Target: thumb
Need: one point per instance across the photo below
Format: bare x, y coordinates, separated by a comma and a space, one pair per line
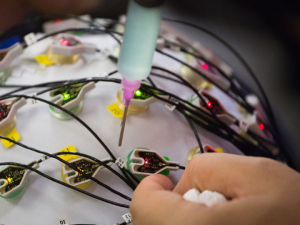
154, 202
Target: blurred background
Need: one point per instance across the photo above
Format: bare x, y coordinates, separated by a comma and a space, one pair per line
266, 33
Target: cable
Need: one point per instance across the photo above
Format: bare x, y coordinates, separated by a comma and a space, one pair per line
233, 87
195, 133
182, 167
64, 184
166, 78
262, 148
87, 80
82, 123
91, 30
201, 74
95, 160
151, 82
268, 110
70, 165
226, 127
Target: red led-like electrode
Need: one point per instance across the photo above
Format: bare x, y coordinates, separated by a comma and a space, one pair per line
146, 161
65, 42
261, 126
209, 104
57, 21
205, 66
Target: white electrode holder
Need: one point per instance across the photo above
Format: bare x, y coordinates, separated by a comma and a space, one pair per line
10, 119
136, 162
254, 101
13, 192
210, 72
58, 25
225, 116
75, 106
139, 102
69, 174
80, 48
173, 35
9, 54
137, 106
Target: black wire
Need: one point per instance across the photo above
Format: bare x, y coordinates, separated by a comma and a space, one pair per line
195, 132
166, 78
255, 136
70, 165
87, 80
261, 147
64, 83
268, 110
198, 94
90, 30
151, 82
123, 170
240, 58
64, 184
82, 123
131, 175
72, 82
226, 127
95, 160
182, 167
233, 87
201, 74
118, 82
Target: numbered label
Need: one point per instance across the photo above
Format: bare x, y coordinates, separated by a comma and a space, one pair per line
14, 135
127, 218
63, 222
102, 74
171, 107
70, 148
244, 125
120, 162
116, 111
30, 39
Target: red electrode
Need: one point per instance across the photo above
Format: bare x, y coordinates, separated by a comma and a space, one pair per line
261, 126
65, 42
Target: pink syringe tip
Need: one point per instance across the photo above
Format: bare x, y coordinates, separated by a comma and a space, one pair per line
129, 88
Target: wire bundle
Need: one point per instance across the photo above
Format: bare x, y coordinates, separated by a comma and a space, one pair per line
193, 114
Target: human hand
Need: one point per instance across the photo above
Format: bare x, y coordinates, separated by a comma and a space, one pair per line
261, 191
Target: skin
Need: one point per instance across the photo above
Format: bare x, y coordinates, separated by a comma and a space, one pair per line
260, 191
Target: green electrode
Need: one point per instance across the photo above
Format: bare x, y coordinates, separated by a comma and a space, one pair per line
137, 51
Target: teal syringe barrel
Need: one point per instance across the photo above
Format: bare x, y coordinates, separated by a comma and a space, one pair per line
139, 42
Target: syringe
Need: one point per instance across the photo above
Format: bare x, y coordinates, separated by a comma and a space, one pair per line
139, 42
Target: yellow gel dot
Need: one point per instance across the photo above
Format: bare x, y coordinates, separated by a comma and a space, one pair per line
14, 135
70, 148
43, 59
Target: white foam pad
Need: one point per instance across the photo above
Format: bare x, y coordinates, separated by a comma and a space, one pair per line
207, 198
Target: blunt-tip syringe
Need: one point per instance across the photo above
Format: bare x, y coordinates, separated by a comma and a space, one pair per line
138, 46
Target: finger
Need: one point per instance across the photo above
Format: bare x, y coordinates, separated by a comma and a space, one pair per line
157, 182
234, 176
154, 202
